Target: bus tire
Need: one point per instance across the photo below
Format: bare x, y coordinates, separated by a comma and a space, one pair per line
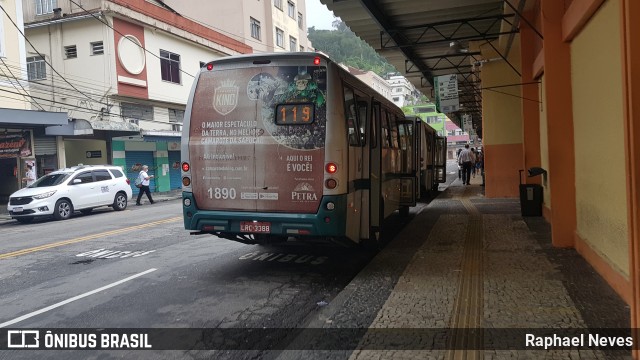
404, 211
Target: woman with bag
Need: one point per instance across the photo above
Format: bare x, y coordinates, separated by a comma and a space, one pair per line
143, 180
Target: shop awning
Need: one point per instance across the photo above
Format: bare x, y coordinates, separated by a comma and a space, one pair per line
21, 118
87, 127
161, 135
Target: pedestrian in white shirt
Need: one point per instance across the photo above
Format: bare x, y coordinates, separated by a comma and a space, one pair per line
144, 188
467, 158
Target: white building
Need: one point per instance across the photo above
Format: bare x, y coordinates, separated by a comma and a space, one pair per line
373, 80
25, 150
402, 91
119, 65
265, 25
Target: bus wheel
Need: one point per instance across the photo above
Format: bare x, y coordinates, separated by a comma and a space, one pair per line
404, 211
373, 243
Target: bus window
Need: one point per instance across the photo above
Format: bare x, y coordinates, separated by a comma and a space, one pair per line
386, 132
374, 123
351, 117
363, 119
394, 131
402, 131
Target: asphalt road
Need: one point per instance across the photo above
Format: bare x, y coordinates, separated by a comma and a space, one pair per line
140, 269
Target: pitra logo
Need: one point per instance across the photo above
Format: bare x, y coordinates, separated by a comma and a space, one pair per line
225, 97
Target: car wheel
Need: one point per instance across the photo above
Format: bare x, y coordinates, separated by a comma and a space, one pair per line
25, 220
120, 202
63, 210
86, 211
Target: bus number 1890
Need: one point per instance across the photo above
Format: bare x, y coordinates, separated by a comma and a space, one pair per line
222, 193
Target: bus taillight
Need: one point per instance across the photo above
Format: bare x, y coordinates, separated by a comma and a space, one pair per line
316, 60
186, 181
331, 183
209, 66
185, 166
331, 168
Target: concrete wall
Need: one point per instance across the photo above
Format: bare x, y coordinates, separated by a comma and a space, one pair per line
91, 74
190, 57
76, 150
12, 51
601, 194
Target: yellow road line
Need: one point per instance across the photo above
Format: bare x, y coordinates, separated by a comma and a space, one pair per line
88, 237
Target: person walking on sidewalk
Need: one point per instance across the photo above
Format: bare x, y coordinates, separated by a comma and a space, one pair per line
144, 188
468, 159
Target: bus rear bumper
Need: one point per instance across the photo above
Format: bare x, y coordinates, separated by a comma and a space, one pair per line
324, 223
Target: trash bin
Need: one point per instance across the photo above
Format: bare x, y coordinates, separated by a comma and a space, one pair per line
530, 198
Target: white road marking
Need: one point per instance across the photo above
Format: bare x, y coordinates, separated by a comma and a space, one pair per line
38, 312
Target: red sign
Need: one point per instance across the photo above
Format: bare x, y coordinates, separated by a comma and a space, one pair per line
15, 145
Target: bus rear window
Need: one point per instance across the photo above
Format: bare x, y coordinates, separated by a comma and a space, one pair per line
294, 114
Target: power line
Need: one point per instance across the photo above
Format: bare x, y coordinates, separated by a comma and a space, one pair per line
26, 93
133, 42
66, 106
98, 88
39, 54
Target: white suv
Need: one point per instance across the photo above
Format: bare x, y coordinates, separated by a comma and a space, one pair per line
62, 192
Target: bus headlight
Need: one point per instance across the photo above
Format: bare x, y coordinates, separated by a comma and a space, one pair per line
187, 202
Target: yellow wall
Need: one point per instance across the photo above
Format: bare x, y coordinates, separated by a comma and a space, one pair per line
601, 198
544, 144
76, 150
501, 107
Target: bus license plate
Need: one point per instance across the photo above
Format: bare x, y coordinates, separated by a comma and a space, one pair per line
255, 227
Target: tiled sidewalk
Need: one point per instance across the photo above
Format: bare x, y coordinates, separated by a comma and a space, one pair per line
474, 263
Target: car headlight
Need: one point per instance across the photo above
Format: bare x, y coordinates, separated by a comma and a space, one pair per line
44, 195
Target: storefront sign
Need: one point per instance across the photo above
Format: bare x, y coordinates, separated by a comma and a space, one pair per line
15, 145
94, 154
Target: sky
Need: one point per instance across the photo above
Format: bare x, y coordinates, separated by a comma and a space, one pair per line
318, 15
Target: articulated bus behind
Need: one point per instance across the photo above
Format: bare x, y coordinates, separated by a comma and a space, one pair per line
285, 145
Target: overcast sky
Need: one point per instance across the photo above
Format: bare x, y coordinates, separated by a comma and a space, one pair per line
318, 15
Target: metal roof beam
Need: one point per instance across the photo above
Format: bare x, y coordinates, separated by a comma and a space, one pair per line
466, 23
379, 17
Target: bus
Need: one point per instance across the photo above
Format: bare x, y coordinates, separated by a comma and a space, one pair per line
290, 146
432, 150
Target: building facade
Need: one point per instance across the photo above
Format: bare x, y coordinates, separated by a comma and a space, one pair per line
403, 93
372, 79
265, 26
25, 150
123, 71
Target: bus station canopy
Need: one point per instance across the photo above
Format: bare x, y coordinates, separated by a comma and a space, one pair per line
424, 39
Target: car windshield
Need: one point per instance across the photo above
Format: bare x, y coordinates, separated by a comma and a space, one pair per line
50, 180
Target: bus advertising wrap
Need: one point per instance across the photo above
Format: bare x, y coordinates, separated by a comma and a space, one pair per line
257, 139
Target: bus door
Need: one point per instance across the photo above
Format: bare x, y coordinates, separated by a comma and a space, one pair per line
441, 159
408, 157
354, 103
419, 151
375, 176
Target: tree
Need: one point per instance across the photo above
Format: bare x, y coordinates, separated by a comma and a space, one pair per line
343, 46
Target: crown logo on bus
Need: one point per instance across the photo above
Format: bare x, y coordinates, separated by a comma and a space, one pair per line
225, 97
